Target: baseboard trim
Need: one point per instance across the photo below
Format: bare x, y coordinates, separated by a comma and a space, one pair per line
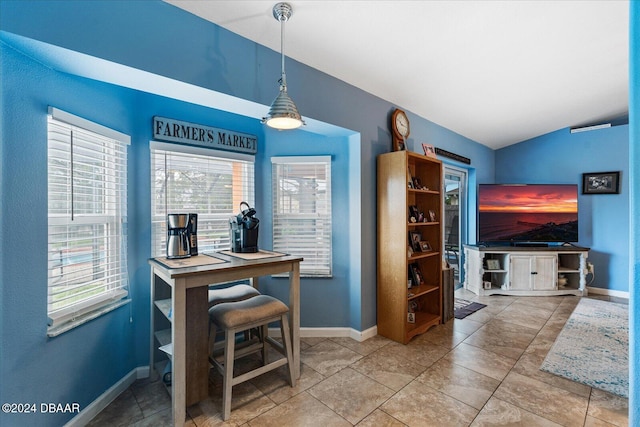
95, 407
608, 292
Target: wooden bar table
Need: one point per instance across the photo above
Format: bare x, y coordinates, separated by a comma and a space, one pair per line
179, 289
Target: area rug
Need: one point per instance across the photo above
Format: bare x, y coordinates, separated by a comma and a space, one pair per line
462, 308
593, 347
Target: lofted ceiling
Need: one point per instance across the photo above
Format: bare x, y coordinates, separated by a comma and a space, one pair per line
497, 72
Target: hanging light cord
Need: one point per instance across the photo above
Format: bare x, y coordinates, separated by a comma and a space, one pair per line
283, 78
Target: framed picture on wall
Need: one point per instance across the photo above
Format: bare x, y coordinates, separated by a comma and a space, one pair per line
601, 183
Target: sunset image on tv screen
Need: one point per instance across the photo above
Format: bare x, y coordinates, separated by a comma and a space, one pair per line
540, 212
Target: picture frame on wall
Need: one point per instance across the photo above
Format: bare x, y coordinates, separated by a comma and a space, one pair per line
601, 183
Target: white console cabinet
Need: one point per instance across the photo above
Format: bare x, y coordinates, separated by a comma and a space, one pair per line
526, 271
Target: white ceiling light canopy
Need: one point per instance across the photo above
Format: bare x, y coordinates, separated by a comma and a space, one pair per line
283, 113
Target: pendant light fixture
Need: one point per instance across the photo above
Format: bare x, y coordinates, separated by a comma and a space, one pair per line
283, 113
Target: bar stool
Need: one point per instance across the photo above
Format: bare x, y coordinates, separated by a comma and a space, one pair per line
232, 293
233, 317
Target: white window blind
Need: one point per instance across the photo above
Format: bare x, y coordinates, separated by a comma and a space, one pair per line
87, 218
302, 211
198, 181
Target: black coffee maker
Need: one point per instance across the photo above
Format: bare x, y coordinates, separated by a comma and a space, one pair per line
243, 230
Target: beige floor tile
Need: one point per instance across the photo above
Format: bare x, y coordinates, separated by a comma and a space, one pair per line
550, 303
311, 341
594, 422
420, 406
302, 410
550, 402
276, 386
365, 347
500, 413
465, 326
152, 396
467, 386
421, 352
504, 338
441, 378
388, 368
163, 418
247, 402
609, 408
523, 314
328, 357
485, 362
124, 410
380, 419
529, 365
443, 336
350, 394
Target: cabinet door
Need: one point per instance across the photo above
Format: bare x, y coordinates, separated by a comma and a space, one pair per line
520, 272
545, 272
473, 276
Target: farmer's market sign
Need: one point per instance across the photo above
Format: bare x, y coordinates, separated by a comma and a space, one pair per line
203, 136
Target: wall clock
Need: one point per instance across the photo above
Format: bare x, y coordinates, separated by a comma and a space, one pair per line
400, 129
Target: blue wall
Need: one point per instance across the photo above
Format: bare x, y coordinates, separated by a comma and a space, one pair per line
634, 247
561, 157
81, 364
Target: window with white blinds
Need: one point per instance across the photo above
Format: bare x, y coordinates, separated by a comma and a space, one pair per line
302, 211
201, 181
87, 219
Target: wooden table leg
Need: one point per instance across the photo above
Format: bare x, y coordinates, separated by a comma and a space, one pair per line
294, 315
178, 338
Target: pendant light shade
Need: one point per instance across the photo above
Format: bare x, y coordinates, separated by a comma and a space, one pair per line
283, 113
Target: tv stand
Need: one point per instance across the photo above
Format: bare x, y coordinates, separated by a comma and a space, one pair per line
530, 244
526, 270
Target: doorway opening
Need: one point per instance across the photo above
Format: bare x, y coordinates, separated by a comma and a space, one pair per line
455, 229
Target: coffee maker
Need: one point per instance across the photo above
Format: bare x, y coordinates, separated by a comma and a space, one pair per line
192, 232
243, 230
178, 236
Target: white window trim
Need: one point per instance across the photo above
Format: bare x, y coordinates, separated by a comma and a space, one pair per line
74, 316
189, 149
74, 120
302, 160
199, 151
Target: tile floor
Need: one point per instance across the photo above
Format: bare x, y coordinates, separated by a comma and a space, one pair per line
482, 370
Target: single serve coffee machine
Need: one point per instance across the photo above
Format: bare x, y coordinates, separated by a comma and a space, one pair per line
243, 230
178, 236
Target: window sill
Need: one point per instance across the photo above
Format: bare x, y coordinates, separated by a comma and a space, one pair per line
54, 331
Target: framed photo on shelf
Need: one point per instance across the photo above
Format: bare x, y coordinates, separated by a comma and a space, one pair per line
416, 274
601, 183
432, 215
425, 246
414, 240
493, 264
429, 150
414, 214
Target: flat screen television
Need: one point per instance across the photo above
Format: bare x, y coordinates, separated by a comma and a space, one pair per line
527, 213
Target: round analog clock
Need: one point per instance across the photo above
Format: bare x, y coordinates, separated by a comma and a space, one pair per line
400, 124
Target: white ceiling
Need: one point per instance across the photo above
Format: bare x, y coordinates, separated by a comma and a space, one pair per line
497, 72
